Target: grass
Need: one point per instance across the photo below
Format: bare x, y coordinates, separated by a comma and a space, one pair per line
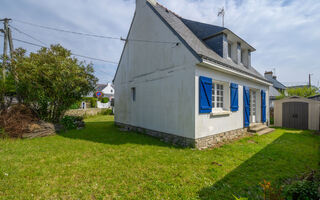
100, 162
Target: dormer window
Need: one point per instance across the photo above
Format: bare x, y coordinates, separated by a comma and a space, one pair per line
229, 49
242, 56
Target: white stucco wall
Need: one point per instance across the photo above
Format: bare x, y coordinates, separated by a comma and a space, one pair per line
162, 75
206, 124
166, 81
108, 91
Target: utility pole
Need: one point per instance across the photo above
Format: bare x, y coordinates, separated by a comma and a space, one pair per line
310, 80
222, 13
7, 37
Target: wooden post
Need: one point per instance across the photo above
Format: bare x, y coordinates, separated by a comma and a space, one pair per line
10, 42
6, 32
5, 48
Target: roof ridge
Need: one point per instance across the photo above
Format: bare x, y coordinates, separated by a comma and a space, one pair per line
196, 43
204, 23
168, 10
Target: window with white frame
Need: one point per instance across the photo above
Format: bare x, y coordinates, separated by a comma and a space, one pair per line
242, 56
229, 49
217, 95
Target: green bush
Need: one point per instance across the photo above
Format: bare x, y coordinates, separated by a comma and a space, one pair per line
302, 190
93, 103
72, 122
91, 100
75, 106
105, 100
87, 99
107, 112
271, 120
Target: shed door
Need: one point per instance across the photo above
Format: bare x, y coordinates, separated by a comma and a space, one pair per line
295, 115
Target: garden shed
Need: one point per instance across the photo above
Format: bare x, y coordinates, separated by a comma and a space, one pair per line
298, 113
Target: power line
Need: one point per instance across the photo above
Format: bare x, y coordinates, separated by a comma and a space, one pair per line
67, 31
78, 55
93, 35
27, 35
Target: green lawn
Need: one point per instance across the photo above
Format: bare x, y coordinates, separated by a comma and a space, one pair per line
100, 162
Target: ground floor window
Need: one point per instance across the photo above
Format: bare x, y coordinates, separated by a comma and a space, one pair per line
217, 95
133, 93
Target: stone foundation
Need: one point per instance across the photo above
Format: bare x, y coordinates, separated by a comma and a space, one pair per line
221, 138
200, 143
165, 137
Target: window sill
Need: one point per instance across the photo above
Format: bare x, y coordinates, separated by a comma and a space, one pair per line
222, 113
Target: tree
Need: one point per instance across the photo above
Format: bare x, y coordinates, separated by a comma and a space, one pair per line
301, 92
7, 88
50, 81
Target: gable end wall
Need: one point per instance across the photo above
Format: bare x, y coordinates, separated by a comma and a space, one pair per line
162, 75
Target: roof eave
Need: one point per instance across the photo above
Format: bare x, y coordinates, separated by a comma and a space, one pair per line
231, 70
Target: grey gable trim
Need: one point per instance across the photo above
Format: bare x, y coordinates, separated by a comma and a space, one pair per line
124, 47
177, 34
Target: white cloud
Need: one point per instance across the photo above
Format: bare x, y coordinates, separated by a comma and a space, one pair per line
286, 34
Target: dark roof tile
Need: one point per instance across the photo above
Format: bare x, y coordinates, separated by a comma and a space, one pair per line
196, 43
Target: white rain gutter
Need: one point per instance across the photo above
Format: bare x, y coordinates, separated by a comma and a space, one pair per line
218, 67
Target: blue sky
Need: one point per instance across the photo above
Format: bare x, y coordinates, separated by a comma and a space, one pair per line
286, 33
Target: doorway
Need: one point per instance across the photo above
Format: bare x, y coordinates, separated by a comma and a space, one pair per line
253, 107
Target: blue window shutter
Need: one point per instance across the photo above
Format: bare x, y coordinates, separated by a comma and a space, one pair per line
246, 106
263, 107
205, 94
234, 97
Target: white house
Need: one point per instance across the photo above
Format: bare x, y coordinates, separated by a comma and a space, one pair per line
106, 89
187, 82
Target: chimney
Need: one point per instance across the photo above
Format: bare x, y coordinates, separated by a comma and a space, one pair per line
268, 74
274, 77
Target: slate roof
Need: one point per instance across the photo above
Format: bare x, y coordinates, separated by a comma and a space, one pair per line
100, 87
276, 83
193, 40
202, 30
273, 92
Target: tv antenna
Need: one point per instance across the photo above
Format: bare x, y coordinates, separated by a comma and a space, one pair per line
222, 13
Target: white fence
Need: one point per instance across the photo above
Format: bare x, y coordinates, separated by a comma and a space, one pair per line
103, 105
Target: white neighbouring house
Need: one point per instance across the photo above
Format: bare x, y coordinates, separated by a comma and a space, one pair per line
187, 82
106, 89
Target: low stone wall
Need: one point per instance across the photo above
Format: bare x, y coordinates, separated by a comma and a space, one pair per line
201, 143
221, 138
165, 137
84, 112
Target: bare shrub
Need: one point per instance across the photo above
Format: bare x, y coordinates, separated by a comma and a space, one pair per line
16, 120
